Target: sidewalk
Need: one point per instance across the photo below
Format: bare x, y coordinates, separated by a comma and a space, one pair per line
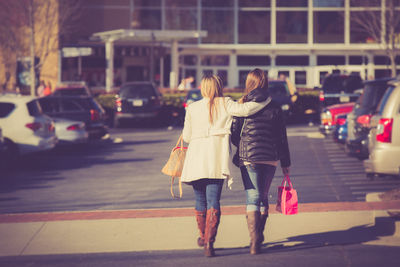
175, 229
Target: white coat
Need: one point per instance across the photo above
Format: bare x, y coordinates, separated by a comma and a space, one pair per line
208, 153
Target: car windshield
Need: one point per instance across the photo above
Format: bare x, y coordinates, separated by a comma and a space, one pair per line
34, 108
384, 99
137, 91
336, 84
372, 95
278, 89
195, 95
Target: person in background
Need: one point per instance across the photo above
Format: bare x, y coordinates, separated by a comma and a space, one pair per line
207, 130
47, 89
262, 142
40, 89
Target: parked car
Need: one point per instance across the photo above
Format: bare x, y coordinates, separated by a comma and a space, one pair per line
384, 137
329, 116
359, 118
25, 128
193, 95
70, 132
138, 101
340, 132
339, 88
280, 93
72, 89
78, 108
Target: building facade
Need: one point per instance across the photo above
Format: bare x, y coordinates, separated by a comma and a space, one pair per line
302, 39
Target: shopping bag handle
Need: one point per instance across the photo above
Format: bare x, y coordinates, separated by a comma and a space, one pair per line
179, 143
286, 178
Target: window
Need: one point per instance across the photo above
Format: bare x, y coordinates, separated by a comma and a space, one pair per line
359, 21
218, 3
180, 19
6, 109
331, 60
291, 27
292, 60
219, 25
328, 27
223, 74
34, 108
300, 77
254, 3
254, 27
328, 3
146, 15
381, 60
253, 61
365, 3
242, 78
214, 60
291, 3
358, 60
189, 60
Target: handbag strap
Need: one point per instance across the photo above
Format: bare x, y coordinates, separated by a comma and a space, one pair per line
180, 187
179, 143
286, 179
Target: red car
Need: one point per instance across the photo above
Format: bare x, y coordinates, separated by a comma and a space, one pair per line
329, 116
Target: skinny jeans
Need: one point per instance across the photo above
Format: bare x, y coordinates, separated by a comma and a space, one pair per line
207, 193
257, 180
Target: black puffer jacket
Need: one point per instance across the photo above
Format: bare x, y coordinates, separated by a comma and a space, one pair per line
263, 137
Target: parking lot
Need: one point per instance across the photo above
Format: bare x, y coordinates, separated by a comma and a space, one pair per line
123, 172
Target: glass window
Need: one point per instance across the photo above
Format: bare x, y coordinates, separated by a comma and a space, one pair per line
189, 60
300, 77
254, 27
292, 60
291, 27
254, 3
34, 108
291, 3
219, 25
217, 3
181, 3
145, 3
365, 3
5, 109
328, 3
381, 60
331, 60
223, 74
253, 61
146, 19
328, 27
180, 19
360, 26
382, 73
214, 60
358, 60
282, 74
242, 78
207, 72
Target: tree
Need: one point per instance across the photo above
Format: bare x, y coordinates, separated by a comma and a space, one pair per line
32, 28
381, 22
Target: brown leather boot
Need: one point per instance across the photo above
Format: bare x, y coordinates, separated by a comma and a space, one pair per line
201, 224
263, 220
212, 223
253, 222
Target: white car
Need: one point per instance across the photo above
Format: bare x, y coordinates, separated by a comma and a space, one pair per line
384, 136
25, 128
70, 132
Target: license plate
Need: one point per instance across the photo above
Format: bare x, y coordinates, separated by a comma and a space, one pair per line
137, 103
344, 99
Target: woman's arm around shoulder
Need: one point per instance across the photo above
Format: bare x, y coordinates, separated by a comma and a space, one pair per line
243, 110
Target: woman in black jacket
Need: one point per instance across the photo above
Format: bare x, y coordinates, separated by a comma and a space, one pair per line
262, 142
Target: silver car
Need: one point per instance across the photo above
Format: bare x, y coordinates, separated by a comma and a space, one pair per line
384, 137
70, 132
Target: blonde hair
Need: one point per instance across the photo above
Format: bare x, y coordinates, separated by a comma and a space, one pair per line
255, 79
211, 87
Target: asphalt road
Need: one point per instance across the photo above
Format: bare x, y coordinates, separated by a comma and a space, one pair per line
124, 173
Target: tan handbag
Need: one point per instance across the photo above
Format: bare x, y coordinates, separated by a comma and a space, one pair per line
174, 165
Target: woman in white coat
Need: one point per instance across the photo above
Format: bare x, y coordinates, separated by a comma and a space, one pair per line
207, 130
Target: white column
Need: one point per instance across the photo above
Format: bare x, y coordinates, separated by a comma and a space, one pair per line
233, 77
273, 22
162, 72
110, 65
312, 75
310, 24
370, 67
173, 76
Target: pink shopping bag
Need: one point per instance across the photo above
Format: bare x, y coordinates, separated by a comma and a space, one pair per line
287, 202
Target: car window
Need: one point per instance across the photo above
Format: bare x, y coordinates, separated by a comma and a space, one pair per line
278, 89
384, 99
336, 84
87, 103
137, 91
70, 105
71, 91
372, 95
49, 105
34, 108
6, 109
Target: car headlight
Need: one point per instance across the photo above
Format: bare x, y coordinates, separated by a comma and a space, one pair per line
285, 107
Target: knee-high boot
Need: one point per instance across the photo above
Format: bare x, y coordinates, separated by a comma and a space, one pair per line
253, 222
263, 220
212, 223
201, 224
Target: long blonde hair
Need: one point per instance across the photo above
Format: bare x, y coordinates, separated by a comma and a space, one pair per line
255, 79
211, 87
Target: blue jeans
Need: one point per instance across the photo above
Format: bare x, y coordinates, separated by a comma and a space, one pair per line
207, 193
257, 180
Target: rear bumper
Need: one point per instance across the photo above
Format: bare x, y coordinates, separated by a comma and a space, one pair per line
37, 144
358, 147
384, 161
